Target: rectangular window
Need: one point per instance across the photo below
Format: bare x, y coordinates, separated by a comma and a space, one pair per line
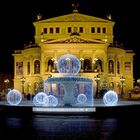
104, 30
118, 67
127, 66
92, 30
57, 30
69, 29
45, 30
51, 30
28, 68
81, 29
98, 30
19, 68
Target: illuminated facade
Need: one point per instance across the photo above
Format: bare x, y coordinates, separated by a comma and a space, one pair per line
87, 37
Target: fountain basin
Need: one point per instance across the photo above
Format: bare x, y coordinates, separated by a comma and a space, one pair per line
70, 90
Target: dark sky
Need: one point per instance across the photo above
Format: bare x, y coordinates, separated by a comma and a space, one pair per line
17, 29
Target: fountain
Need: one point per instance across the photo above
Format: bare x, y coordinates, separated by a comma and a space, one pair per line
69, 89
68, 93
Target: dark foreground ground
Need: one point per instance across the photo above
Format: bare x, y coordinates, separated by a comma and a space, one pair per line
74, 127
121, 122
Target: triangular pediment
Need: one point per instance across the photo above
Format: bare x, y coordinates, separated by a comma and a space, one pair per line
75, 17
74, 39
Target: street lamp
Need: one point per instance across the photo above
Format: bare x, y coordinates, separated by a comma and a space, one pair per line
23, 79
97, 79
82, 60
122, 79
6, 81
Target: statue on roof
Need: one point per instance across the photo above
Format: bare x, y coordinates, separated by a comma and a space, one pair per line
39, 16
109, 17
75, 5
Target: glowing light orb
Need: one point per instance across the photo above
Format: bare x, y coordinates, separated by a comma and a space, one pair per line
68, 65
81, 98
14, 97
40, 99
52, 101
110, 98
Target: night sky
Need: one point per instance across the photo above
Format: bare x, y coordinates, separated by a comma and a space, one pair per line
17, 28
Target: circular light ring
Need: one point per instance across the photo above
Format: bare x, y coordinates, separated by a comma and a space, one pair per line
14, 97
110, 98
81, 98
34, 101
40, 99
52, 101
68, 65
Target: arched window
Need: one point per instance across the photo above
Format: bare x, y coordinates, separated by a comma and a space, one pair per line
111, 66
118, 67
50, 65
37, 67
19, 68
28, 68
87, 65
98, 66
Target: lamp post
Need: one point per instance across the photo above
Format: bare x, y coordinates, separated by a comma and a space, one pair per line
23, 79
122, 80
97, 79
6, 81
55, 65
82, 60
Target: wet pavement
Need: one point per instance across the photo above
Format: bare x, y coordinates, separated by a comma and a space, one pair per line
66, 127
123, 123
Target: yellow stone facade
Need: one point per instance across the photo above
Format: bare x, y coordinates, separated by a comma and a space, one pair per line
88, 37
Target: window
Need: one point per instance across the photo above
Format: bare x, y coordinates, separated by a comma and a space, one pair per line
19, 68
87, 65
45, 30
98, 30
104, 30
127, 66
57, 30
28, 68
111, 66
92, 30
81, 29
69, 29
50, 65
37, 67
118, 67
98, 66
51, 30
